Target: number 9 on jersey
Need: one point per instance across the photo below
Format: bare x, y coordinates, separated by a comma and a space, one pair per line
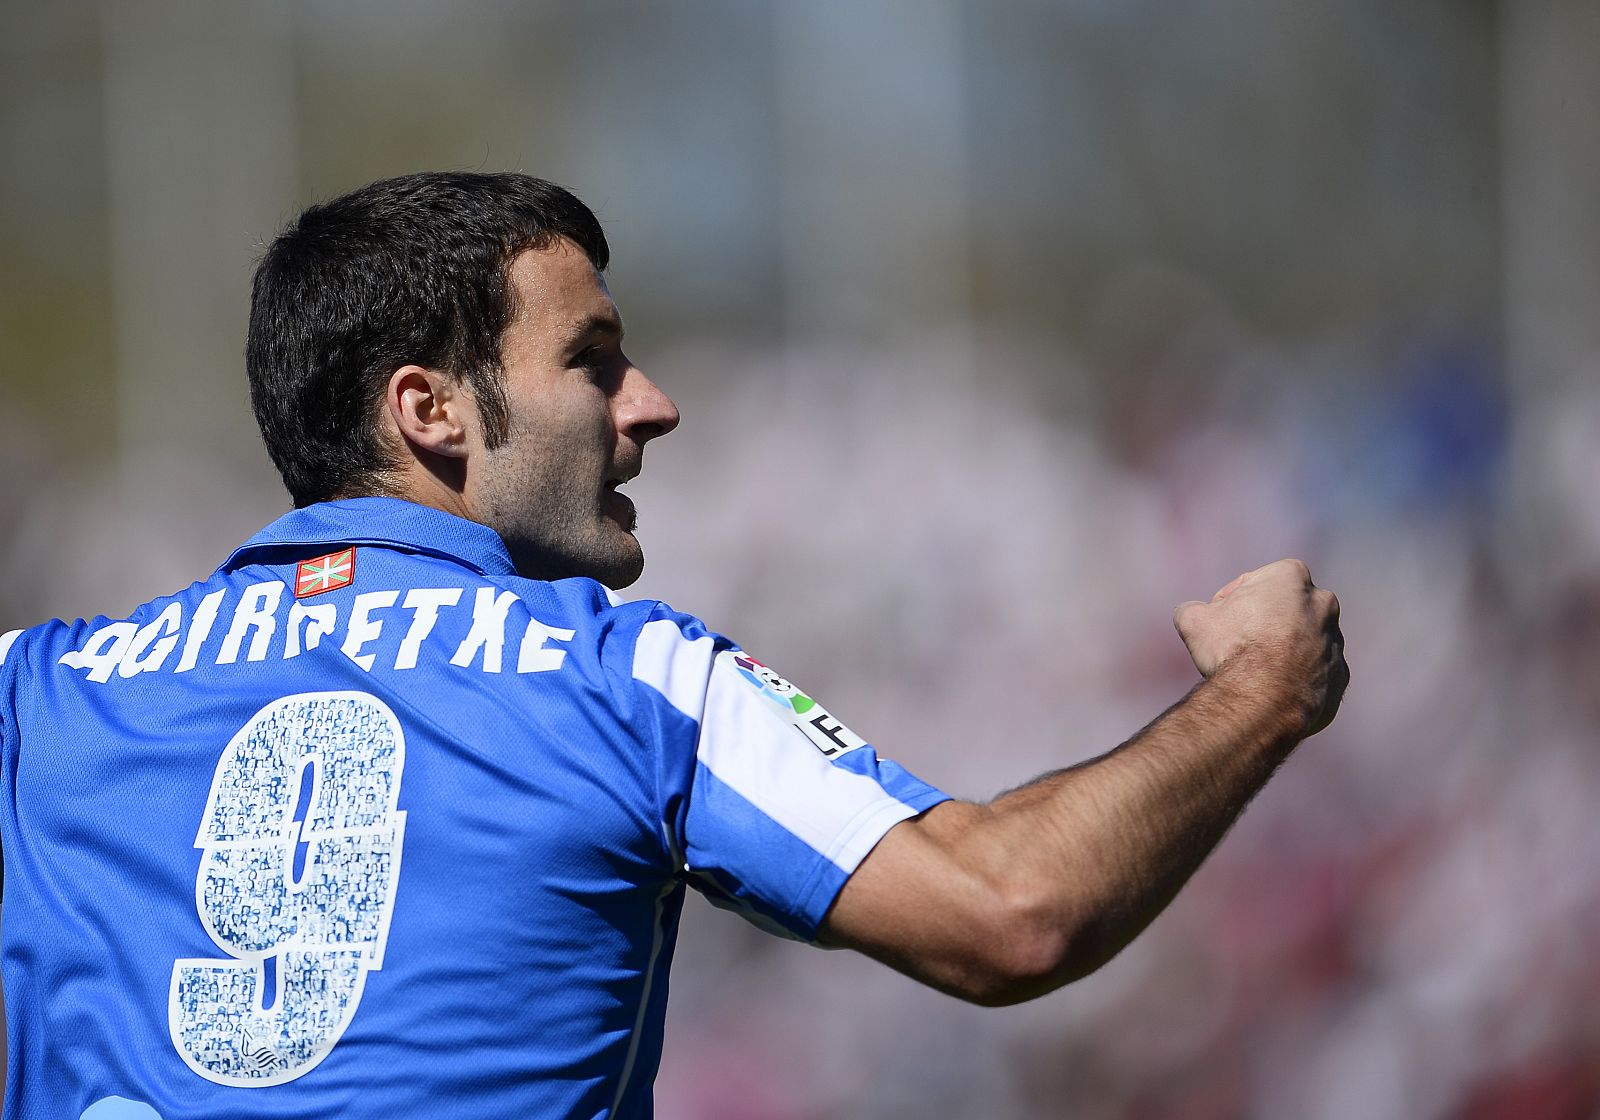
301, 843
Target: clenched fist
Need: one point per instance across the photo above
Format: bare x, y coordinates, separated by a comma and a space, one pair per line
1283, 629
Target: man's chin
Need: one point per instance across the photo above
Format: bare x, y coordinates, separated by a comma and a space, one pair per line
617, 562
621, 564
625, 575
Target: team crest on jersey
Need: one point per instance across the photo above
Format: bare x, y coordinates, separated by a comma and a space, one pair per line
325, 573
811, 719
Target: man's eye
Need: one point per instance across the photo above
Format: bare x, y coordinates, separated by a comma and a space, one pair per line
590, 357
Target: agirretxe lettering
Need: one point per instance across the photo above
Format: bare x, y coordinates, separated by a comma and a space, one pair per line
265, 623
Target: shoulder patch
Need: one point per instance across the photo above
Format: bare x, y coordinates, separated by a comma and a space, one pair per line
812, 720
325, 573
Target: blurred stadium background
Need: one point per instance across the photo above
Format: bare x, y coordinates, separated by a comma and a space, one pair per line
999, 328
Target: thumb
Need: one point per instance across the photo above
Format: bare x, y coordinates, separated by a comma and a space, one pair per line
1182, 610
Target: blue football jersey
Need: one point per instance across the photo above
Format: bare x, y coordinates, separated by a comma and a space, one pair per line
366, 826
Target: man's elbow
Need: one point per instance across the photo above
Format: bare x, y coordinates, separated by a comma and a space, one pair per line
1026, 949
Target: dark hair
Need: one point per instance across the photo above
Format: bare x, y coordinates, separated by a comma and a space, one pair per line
407, 270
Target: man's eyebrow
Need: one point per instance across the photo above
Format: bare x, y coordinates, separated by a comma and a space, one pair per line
597, 324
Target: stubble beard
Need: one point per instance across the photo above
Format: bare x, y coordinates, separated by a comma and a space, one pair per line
571, 538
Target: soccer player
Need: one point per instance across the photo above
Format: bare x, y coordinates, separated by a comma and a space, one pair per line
393, 814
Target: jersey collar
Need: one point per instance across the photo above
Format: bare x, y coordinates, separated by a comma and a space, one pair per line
385, 522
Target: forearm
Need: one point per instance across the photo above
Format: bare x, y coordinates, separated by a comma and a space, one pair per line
1003, 902
999, 903
1097, 851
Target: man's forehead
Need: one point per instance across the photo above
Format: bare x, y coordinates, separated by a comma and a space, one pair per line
559, 289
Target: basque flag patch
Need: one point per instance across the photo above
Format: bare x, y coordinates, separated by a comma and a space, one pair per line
325, 573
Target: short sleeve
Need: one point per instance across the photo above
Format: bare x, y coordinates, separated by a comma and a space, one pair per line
772, 803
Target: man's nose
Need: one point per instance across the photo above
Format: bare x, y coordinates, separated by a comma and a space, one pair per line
643, 410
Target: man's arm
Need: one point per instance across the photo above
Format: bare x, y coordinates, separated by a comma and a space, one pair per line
1003, 902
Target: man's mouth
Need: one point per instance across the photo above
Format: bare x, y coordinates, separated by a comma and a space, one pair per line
619, 505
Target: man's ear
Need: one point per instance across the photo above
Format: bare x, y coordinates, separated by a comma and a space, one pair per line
429, 409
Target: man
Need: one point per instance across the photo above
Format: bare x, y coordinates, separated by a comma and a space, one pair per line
393, 814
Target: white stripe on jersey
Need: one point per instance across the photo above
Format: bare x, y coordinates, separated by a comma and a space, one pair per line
763, 757
7, 640
673, 665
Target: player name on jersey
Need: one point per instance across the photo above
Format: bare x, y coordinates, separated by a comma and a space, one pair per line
266, 622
